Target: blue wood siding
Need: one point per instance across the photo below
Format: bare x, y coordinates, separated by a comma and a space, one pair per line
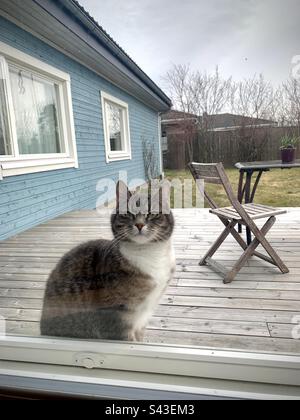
27, 200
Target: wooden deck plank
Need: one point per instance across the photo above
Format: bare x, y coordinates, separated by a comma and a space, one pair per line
249, 270
12, 284
279, 305
21, 314
284, 330
259, 329
22, 293
244, 276
15, 277
233, 293
217, 341
226, 314
21, 303
237, 284
31, 329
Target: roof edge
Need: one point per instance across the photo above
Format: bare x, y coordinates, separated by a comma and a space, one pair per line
90, 24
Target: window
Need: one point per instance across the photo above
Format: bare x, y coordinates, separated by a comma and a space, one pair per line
116, 128
36, 118
36, 110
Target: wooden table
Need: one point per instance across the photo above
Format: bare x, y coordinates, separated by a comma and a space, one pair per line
246, 192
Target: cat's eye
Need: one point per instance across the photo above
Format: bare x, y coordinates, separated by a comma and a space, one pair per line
153, 217
126, 216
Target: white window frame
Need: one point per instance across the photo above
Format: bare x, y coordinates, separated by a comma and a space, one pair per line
214, 372
112, 156
17, 164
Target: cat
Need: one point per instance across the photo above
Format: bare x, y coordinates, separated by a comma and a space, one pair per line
109, 289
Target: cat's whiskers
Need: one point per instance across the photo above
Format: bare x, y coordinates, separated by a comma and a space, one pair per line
159, 237
115, 242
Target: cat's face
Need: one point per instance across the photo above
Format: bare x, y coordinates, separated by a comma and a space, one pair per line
142, 228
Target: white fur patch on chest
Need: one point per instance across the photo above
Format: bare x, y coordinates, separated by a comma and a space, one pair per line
156, 260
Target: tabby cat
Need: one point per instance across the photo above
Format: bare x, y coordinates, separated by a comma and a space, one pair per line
109, 289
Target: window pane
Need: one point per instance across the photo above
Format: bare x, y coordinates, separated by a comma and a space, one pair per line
36, 113
114, 118
5, 148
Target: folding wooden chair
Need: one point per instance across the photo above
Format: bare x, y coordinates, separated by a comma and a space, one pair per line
237, 214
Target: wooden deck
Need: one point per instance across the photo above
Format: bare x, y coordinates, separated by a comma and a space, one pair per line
256, 312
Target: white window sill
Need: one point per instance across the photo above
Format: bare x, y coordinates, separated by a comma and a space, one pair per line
28, 166
117, 157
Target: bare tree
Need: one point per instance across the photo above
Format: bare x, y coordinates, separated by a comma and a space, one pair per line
177, 81
150, 157
291, 99
211, 93
250, 101
195, 92
253, 98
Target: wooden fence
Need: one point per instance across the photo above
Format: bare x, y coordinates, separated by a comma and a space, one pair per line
229, 147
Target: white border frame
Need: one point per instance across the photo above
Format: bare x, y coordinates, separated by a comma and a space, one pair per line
17, 164
119, 155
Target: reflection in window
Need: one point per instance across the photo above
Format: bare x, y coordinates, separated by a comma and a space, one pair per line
36, 112
5, 148
115, 124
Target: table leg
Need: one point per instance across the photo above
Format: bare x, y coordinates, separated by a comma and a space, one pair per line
241, 193
247, 200
255, 186
246, 194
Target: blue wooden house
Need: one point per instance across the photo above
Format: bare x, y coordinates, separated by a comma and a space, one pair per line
74, 109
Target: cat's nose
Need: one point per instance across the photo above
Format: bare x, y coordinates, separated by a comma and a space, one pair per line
139, 226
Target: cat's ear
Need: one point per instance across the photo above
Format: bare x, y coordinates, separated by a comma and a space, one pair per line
160, 200
123, 195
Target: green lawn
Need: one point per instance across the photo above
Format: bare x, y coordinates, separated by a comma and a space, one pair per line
279, 188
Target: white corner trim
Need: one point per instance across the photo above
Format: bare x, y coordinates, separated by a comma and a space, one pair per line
161, 166
125, 154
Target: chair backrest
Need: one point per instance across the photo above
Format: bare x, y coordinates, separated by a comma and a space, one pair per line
206, 171
213, 173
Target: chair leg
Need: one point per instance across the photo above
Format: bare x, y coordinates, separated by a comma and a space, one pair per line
244, 246
228, 229
269, 249
248, 252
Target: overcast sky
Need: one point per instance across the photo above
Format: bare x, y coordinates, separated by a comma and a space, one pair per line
242, 37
